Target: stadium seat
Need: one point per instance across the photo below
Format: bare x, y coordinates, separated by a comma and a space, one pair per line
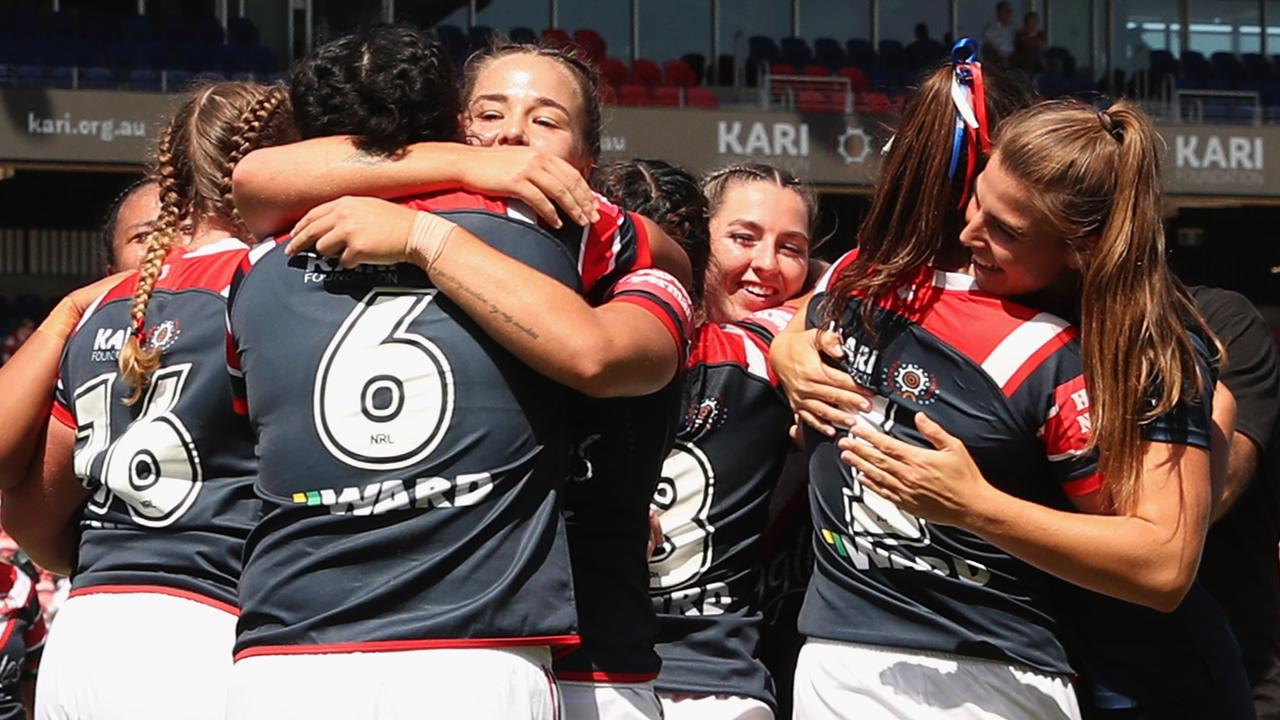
827, 51
858, 81
646, 72
762, 48
522, 35
614, 71
678, 74
698, 63
608, 94
98, 78
30, 76
700, 97
666, 96
892, 54
591, 43
555, 37
795, 51
242, 32
872, 103
633, 95
176, 80
1194, 66
781, 69
61, 76
145, 79
455, 42
861, 54
479, 37
816, 71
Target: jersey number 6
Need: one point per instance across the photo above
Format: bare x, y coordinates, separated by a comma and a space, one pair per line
383, 393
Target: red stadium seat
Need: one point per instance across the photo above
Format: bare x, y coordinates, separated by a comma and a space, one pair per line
679, 74
816, 71
632, 95
811, 101
555, 37
666, 96
614, 71
782, 69
592, 44
872, 103
858, 81
646, 72
608, 94
700, 97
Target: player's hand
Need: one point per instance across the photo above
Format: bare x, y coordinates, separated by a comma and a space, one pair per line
655, 533
356, 230
542, 181
942, 485
65, 316
822, 396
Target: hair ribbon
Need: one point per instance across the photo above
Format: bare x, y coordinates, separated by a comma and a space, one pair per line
968, 94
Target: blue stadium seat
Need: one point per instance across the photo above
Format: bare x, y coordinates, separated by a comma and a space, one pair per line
762, 48
795, 51
861, 53
522, 35
479, 37
827, 51
893, 54
98, 78
145, 79
61, 76
30, 76
242, 32
176, 80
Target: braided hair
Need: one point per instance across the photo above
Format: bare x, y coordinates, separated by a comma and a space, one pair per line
198, 149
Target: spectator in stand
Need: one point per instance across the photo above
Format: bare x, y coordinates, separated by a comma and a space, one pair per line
925, 52
997, 36
122, 242
21, 638
1239, 565
1030, 44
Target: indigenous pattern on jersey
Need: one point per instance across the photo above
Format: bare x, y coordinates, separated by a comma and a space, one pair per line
411, 468
620, 446
1008, 382
22, 637
713, 502
171, 475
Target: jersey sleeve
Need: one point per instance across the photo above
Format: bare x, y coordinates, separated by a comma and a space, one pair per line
62, 410
615, 246
744, 343
662, 295
1189, 422
1065, 435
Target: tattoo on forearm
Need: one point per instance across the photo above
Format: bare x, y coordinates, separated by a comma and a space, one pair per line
360, 157
442, 276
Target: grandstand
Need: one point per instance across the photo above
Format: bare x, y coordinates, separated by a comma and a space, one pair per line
810, 84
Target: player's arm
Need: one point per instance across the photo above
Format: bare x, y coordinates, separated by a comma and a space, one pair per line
617, 349
1147, 555
29, 380
41, 512
275, 186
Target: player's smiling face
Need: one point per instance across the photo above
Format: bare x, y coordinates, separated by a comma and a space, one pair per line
1015, 250
759, 250
529, 100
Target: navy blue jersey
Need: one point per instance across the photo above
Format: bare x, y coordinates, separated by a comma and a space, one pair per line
411, 468
172, 475
620, 445
1007, 381
1131, 656
713, 503
21, 637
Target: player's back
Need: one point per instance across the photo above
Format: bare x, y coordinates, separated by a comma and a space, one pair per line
172, 475
411, 467
1007, 381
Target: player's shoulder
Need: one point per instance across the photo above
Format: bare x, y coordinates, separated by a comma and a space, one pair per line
209, 267
458, 200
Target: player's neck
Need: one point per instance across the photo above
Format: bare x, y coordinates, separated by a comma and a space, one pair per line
210, 230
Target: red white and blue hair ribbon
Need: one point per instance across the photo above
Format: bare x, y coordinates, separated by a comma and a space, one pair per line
968, 94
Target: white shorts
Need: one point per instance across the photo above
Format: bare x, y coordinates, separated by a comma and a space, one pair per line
609, 701
132, 656
862, 682
681, 706
459, 684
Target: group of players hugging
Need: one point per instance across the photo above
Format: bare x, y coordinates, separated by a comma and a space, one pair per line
467, 437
